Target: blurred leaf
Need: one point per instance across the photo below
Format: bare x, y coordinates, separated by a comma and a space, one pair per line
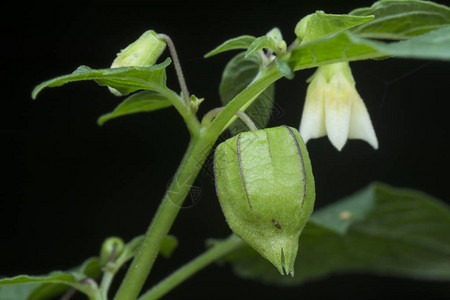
17, 291
240, 42
125, 80
379, 230
144, 101
238, 74
168, 246
401, 19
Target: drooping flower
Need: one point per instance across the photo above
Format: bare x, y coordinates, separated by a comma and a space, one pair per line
333, 107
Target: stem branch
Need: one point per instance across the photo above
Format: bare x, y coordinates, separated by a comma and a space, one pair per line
217, 251
108, 273
188, 115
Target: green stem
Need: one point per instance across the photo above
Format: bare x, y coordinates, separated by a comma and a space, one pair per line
217, 251
106, 284
192, 162
266, 78
188, 115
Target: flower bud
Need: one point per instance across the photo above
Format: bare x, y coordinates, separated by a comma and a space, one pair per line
144, 52
265, 186
111, 244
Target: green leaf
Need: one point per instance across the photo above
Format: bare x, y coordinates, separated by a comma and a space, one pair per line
125, 80
260, 43
285, 69
341, 215
379, 230
144, 101
346, 46
17, 291
342, 46
238, 74
64, 278
432, 45
273, 41
89, 269
401, 19
240, 42
51, 285
320, 24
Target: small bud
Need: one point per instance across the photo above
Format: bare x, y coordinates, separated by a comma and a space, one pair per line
195, 102
111, 244
276, 35
144, 52
265, 186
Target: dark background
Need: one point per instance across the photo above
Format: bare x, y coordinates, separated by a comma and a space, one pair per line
68, 184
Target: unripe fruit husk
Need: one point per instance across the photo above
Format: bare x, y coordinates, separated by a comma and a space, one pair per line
265, 186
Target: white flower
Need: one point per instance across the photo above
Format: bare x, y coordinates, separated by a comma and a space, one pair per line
333, 107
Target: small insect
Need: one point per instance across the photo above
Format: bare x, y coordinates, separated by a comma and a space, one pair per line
276, 224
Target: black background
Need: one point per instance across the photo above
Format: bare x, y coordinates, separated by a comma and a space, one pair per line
68, 184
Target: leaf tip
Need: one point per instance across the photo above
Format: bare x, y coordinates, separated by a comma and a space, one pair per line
101, 120
248, 53
35, 92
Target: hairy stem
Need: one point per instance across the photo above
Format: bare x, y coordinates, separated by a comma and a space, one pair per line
217, 251
176, 63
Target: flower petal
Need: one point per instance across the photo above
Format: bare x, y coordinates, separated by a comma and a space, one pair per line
360, 125
337, 110
313, 117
